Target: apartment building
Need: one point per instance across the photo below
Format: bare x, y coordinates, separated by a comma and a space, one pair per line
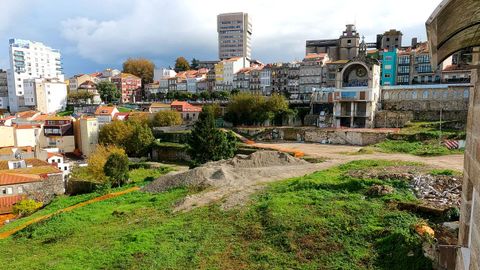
105, 114
30, 60
86, 135
129, 85
45, 95
234, 35
75, 81
58, 133
312, 72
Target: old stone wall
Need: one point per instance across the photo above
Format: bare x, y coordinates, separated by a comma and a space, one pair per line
392, 119
469, 235
44, 191
316, 135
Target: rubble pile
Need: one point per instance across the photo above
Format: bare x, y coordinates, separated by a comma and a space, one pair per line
440, 190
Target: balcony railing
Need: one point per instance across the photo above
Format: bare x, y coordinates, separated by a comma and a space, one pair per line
355, 83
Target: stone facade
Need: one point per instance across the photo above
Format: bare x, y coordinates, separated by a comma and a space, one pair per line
469, 236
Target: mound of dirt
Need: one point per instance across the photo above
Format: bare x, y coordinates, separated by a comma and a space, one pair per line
224, 172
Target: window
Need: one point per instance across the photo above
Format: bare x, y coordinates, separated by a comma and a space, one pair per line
65, 168
425, 94
4, 191
9, 190
388, 67
387, 75
20, 190
414, 95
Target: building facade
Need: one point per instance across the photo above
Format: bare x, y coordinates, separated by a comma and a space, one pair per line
3, 90
30, 60
45, 95
389, 67
130, 87
234, 35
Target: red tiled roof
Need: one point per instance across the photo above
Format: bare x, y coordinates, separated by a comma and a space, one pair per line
185, 106
315, 55
6, 203
26, 114
18, 178
54, 155
105, 110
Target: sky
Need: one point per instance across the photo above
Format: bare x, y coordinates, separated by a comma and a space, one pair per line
96, 34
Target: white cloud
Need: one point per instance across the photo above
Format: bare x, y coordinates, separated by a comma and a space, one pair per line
162, 29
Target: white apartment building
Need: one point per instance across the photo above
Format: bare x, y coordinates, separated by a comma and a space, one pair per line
30, 60
46, 95
230, 67
266, 80
234, 35
163, 73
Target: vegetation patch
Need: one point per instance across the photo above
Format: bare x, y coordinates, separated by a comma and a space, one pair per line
418, 148
320, 221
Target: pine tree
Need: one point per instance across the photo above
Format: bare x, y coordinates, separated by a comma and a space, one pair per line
207, 143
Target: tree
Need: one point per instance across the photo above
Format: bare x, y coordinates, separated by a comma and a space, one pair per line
207, 143
139, 143
97, 161
181, 64
194, 64
79, 97
116, 169
134, 136
167, 118
250, 109
108, 91
140, 67
115, 133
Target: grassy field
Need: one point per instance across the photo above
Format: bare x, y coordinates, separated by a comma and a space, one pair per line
418, 148
320, 221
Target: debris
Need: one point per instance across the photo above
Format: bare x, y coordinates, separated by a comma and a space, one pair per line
439, 190
423, 229
380, 190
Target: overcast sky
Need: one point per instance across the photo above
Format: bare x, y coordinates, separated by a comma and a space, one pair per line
95, 34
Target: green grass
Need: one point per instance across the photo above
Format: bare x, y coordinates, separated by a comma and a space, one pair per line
124, 109
426, 148
320, 221
446, 172
65, 113
431, 130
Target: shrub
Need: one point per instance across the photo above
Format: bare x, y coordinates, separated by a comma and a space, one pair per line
26, 207
94, 171
116, 169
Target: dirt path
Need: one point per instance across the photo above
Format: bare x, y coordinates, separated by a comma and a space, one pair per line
68, 209
339, 153
237, 193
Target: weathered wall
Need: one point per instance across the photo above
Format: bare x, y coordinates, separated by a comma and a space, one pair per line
170, 154
316, 135
392, 119
469, 235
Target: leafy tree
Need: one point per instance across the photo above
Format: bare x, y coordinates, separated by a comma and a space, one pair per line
139, 142
79, 97
116, 169
194, 64
181, 64
207, 143
108, 91
134, 136
140, 67
115, 133
250, 109
97, 161
167, 118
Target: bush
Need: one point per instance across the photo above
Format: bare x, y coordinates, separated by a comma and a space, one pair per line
116, 169
26, 207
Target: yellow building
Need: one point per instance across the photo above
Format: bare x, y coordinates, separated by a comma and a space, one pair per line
219, 73
8, 136
86, 135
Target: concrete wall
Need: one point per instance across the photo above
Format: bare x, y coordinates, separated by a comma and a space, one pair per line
7, 135
469, 235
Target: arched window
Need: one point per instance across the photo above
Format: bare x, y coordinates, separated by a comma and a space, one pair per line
425, 94
414, 95
466, 93
386, 95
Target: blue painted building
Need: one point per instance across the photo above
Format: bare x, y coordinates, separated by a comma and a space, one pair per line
389, 68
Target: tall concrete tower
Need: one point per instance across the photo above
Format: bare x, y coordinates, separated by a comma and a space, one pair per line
234, 35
